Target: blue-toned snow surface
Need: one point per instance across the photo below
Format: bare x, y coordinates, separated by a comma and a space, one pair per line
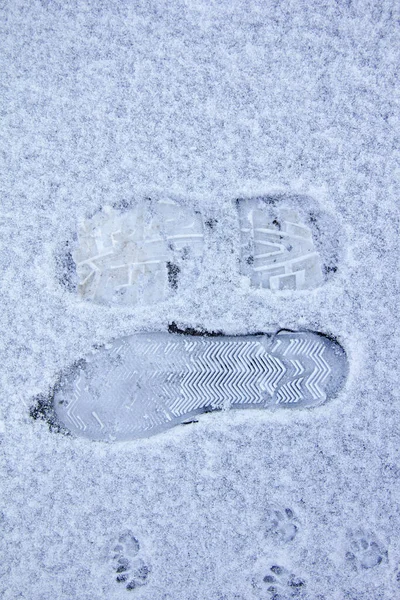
107, 102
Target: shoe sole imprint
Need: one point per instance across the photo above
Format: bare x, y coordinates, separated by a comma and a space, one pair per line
277, 249
137, 255
140, 254
144, 384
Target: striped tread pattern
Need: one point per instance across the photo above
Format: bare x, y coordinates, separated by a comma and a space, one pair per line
277, 250
125, 257
146, 383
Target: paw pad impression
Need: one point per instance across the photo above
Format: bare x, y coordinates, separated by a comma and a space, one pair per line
130, 568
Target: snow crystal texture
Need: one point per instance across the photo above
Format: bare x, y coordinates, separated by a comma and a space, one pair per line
112, 103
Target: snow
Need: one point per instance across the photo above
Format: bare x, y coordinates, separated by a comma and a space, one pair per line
107, 102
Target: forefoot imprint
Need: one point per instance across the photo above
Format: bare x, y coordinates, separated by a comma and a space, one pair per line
146, 383
137, 255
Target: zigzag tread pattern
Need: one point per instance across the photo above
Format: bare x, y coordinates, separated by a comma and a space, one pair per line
146, 383
310, 373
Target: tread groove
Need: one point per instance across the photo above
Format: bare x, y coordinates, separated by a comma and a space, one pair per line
145, 383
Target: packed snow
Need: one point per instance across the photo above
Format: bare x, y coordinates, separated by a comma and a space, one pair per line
111, 103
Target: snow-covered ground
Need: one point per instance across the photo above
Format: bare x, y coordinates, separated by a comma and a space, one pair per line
108, 103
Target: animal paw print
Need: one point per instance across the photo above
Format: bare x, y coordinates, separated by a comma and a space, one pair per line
130, 568
281, 523
365, 551
283, 585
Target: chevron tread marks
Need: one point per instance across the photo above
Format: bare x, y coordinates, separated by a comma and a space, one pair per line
146, 383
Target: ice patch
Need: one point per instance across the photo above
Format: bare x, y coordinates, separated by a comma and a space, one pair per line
137, 255
280, 248
146, 383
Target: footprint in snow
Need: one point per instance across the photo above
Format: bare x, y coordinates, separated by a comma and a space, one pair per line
283, 585
281, 523
130, 568
365, 551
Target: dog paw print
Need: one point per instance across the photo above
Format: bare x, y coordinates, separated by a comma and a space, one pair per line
281, 523
130, 568
283, 585
365, 551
